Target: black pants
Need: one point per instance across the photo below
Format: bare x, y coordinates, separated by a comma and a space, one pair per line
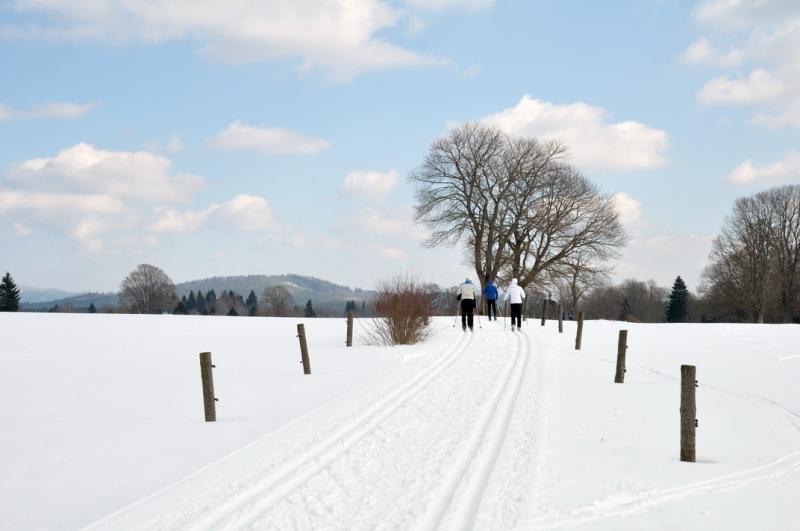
467, 313
491, 308
516, 312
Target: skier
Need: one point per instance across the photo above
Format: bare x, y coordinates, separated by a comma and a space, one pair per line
467, 295
515, 295
491, 299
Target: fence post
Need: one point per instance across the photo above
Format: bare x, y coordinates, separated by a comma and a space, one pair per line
207, 375
301, 333
544, 311
349, 341
622, 347
579, 335
688, 412
560, 319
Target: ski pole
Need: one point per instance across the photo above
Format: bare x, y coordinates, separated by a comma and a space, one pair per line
455, 319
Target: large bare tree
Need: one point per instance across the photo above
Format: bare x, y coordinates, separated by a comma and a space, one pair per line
784, 202
277, 299
147, 289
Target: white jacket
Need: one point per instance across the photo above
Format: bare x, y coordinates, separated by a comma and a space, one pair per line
514, 294
468, 291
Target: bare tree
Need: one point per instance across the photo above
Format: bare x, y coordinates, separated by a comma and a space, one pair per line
147, 289
576, 276
277, 300
784, 203
557, 220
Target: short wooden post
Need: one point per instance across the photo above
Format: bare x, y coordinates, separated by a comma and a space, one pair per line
349, 341
579, 335
544, 311
301, 333
560, 319
207, 375
622, 347
688, 412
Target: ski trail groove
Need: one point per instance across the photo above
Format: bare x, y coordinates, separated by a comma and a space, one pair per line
246, 505
459, 497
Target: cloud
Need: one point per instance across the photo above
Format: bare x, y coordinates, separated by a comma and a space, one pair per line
784, 170
758, 52
339, 37
594, 142
22, 230
442, 5
629, 209
83, 168
372, 185
272, 140
243, 212
398, 224
60, 110
758, 87
391, 253
174, 144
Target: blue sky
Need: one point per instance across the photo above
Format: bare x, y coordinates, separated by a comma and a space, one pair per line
276, 136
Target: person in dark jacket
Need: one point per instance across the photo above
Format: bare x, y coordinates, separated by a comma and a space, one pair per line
490, 291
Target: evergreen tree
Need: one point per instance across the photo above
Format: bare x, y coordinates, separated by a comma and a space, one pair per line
191, 302
625, 310
252, 311
252, 300
201, 303
309, 311
678, 302
350, 306
180, 309
232, 312
92, 308
9, 294
211, 299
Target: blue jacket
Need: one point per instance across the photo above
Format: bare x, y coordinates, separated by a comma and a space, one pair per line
491, 291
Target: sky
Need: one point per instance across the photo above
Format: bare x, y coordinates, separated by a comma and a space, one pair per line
276, 136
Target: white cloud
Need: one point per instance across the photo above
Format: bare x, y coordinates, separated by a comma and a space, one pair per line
243, 212
61, 110
372, 185
272, 140
594, 142
339, 37
629, 209
442, 5
759, 55
174, 144
22, 230
786, 169
392, 253
85, 169
397, 224
758, 87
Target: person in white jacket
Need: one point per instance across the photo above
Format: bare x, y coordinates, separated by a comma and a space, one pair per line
515, 295
467, 294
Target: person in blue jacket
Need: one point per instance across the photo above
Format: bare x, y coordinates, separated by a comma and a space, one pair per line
490, 291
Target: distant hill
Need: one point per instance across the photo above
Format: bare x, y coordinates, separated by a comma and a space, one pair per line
29, 294
78, 303
302, 288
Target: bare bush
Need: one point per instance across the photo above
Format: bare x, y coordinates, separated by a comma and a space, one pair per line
403, 306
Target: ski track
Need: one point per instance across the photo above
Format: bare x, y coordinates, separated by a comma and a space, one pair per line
243, 504
623, 505
425, 455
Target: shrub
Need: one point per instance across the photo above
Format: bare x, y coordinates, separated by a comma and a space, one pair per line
403, 306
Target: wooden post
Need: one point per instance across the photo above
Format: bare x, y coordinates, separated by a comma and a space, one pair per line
301, 333
560, 319
688, 412
622, 346
544, 311
207, 375
349, 341
579, 335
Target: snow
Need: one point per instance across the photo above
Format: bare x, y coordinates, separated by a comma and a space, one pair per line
103, 427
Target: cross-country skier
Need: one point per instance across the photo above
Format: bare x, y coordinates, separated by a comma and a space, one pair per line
515, 295
491, 299
467, 295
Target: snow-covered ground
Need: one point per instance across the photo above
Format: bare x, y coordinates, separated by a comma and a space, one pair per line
103, 427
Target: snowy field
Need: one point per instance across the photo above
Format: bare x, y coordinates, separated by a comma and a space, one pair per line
103, 427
